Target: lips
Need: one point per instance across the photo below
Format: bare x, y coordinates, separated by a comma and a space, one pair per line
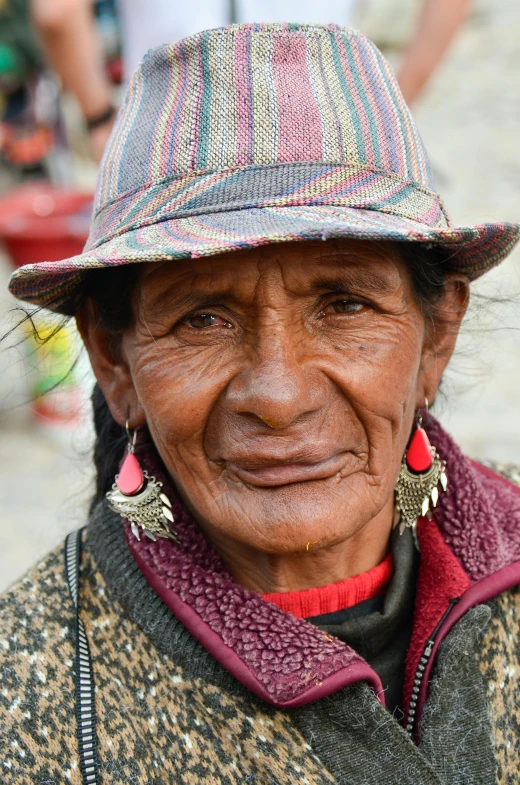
271, 473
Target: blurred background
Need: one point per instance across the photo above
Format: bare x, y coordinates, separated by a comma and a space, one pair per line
63, 66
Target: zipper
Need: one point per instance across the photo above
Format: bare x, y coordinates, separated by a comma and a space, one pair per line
423, 662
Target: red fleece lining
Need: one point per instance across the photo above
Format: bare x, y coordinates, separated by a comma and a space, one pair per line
335, 596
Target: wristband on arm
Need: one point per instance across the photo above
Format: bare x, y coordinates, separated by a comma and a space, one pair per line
100, 119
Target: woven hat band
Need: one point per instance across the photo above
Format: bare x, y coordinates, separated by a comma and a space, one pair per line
278, 185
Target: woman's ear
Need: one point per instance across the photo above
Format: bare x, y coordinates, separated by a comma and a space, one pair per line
441, 336
111, 370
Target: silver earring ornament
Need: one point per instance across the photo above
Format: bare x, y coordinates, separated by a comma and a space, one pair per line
421, 474
139, 498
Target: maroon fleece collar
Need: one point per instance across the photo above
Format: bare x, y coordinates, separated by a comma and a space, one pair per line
283, 660
289, 662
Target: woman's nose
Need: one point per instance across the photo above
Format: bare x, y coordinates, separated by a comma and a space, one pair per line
277, 386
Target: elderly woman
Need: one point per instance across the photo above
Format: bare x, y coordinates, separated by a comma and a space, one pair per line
290, 572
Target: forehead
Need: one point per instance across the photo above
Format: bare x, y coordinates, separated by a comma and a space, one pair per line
297, 267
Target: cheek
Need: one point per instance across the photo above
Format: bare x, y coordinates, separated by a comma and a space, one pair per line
379, 367
178, 390
378, 376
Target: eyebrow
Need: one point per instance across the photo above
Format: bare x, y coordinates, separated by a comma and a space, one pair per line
365, 280
188, 301
342, 281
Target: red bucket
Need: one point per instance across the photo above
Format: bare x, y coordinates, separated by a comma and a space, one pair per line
39, 223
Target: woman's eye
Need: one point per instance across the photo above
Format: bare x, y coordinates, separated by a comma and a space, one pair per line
201, 321
343, 306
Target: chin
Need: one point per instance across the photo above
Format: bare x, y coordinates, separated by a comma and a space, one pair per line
291, 520
287, 539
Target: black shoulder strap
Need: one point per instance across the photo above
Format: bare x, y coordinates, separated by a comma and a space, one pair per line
84, 676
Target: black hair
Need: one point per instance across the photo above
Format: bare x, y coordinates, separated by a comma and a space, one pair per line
111, 291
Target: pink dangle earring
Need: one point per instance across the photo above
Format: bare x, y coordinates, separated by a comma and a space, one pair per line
139, 498
417, 487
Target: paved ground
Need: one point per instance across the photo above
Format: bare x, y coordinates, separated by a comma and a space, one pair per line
470, 120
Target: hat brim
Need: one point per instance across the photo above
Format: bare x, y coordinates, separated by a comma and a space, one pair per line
56, 285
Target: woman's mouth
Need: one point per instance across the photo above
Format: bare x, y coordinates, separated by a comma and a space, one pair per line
272, 475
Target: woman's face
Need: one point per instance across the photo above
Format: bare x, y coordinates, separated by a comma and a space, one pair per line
279, 385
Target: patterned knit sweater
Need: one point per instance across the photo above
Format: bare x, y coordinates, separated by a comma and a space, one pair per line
172, 707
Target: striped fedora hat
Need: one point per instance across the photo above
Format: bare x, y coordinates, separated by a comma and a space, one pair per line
257, 134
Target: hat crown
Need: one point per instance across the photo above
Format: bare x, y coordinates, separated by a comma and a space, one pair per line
256, 134
261, 95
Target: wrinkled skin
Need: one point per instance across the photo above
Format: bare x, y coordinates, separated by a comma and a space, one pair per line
280, 386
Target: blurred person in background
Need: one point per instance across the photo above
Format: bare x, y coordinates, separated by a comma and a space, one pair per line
290, 572
73, 46
28, 113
